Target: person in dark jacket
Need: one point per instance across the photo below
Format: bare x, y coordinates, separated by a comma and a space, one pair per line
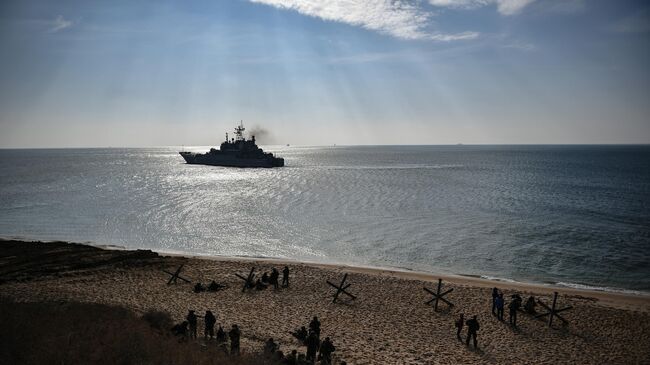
314, 325
312, 346
326, 349
513, 307
285, 277
209, 320
459, 325
191, 319
529, 307
500, 304
180, 330
472, 328
301, 334
234, 335
495, 295
273, 279
221, 335
270, 347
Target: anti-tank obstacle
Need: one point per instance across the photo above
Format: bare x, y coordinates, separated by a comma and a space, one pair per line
552, 312
248, 281
341, 288
176, 275
438, 296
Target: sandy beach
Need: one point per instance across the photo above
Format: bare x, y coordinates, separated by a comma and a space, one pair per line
388, 323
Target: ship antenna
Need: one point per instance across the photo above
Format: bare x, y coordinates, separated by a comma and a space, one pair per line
239, 131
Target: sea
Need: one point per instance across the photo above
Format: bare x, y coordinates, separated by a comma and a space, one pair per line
565, 215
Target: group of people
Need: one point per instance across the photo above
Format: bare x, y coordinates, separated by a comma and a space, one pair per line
212, 287
514, 306
311, 339
498, 305
317, 350
272, 279
188, 329
472, 328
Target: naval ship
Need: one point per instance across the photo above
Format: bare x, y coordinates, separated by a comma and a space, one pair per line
235, 152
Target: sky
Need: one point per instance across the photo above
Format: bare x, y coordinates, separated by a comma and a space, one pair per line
86, 73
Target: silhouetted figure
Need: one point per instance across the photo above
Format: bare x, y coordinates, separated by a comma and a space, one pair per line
270, 347
273, 279
472, 328
285, 277
234, 335
191, 319
314, 325
326, 349
209, 320
180, 330
292, 358
459, 325
312, 346
513, 307
259, 285
265, 278
214, 286
500, 305
221, 335
495, 295
529, 307
278, 357
301, 334
199, 288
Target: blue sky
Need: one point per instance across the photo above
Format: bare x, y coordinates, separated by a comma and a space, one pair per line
145, 73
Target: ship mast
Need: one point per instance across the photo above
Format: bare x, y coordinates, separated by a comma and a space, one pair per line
239, 131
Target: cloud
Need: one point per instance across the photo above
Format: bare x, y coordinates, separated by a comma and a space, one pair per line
59, 24
505, 7
522, 46
401, 19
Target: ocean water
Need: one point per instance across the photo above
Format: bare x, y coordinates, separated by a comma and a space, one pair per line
566, 215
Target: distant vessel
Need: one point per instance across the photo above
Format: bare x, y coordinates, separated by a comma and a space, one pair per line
235, 152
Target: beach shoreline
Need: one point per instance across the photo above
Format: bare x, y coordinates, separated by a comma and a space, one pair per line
388, 323
616, 298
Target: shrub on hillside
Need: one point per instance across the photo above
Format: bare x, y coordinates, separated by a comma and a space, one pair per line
76, 333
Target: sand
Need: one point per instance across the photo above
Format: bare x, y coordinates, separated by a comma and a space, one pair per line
388, 323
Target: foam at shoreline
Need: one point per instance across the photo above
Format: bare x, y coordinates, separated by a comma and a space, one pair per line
395, 269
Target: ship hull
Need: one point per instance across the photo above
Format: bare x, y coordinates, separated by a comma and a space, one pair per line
231, 161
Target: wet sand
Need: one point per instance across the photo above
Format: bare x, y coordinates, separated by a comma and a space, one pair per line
387, 324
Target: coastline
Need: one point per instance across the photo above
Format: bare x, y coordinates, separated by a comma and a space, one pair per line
612, 297
388, 323
636, 301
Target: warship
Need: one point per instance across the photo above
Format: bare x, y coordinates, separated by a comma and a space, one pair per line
235, 152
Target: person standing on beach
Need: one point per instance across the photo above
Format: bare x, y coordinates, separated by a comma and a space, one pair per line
529, 307
513, 307
191, 319
285, 277
221, 335
472, 328
314, 326
234, 335
326, 349
459, 325
274, 278
210, 320
500, 304
495, 295
312, 346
